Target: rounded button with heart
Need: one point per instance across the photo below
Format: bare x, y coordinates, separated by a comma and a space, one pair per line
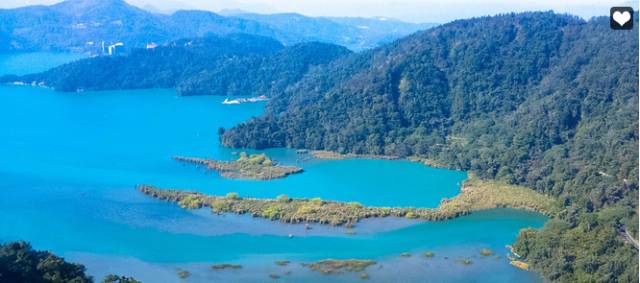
621, 18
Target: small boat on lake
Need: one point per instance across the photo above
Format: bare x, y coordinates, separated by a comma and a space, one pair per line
245, 100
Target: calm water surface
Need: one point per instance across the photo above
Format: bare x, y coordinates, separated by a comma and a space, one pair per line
70, 162
27, 63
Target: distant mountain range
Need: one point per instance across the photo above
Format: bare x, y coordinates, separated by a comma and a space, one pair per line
82, 26
354, 33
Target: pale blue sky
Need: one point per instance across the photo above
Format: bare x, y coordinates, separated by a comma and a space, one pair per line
409, 10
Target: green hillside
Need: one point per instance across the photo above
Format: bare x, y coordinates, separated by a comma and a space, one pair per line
542, 100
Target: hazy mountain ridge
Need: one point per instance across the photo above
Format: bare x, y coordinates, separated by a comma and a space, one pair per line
355, 33
82, 26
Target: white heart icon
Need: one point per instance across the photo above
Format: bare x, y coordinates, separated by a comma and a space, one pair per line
621, 18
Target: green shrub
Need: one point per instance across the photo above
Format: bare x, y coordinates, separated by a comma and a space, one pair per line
190, 202
355, 204
272, 212
233, 196
220, 206
306, 209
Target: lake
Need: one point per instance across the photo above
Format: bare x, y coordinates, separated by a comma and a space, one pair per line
71, 161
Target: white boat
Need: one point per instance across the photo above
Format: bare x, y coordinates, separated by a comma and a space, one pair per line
244, 100
227, 101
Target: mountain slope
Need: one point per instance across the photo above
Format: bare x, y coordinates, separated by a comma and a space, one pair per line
261, 75
529, 98
235, 64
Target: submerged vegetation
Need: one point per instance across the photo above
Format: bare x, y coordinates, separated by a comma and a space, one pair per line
222, 266
256, 167
183, 274
335, 266
486, 252
476, 195
282, 262
119, 279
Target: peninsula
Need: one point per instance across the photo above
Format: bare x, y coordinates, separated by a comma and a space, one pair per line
476, 195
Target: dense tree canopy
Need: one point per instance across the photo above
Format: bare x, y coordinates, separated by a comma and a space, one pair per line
531, 98
19, 263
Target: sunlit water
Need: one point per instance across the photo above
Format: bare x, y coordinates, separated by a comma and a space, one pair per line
70, 162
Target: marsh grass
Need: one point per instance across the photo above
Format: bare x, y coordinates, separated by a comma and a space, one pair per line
282, 262
183, 274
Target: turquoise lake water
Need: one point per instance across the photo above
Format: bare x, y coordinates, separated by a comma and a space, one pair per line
70, 163
26, 63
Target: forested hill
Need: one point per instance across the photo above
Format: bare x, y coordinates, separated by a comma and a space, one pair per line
232, 65
539, 99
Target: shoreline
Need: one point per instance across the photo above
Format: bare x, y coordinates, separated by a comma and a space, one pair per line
332, 155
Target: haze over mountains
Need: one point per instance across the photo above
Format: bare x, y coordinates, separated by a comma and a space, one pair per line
82, 26
354, 33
